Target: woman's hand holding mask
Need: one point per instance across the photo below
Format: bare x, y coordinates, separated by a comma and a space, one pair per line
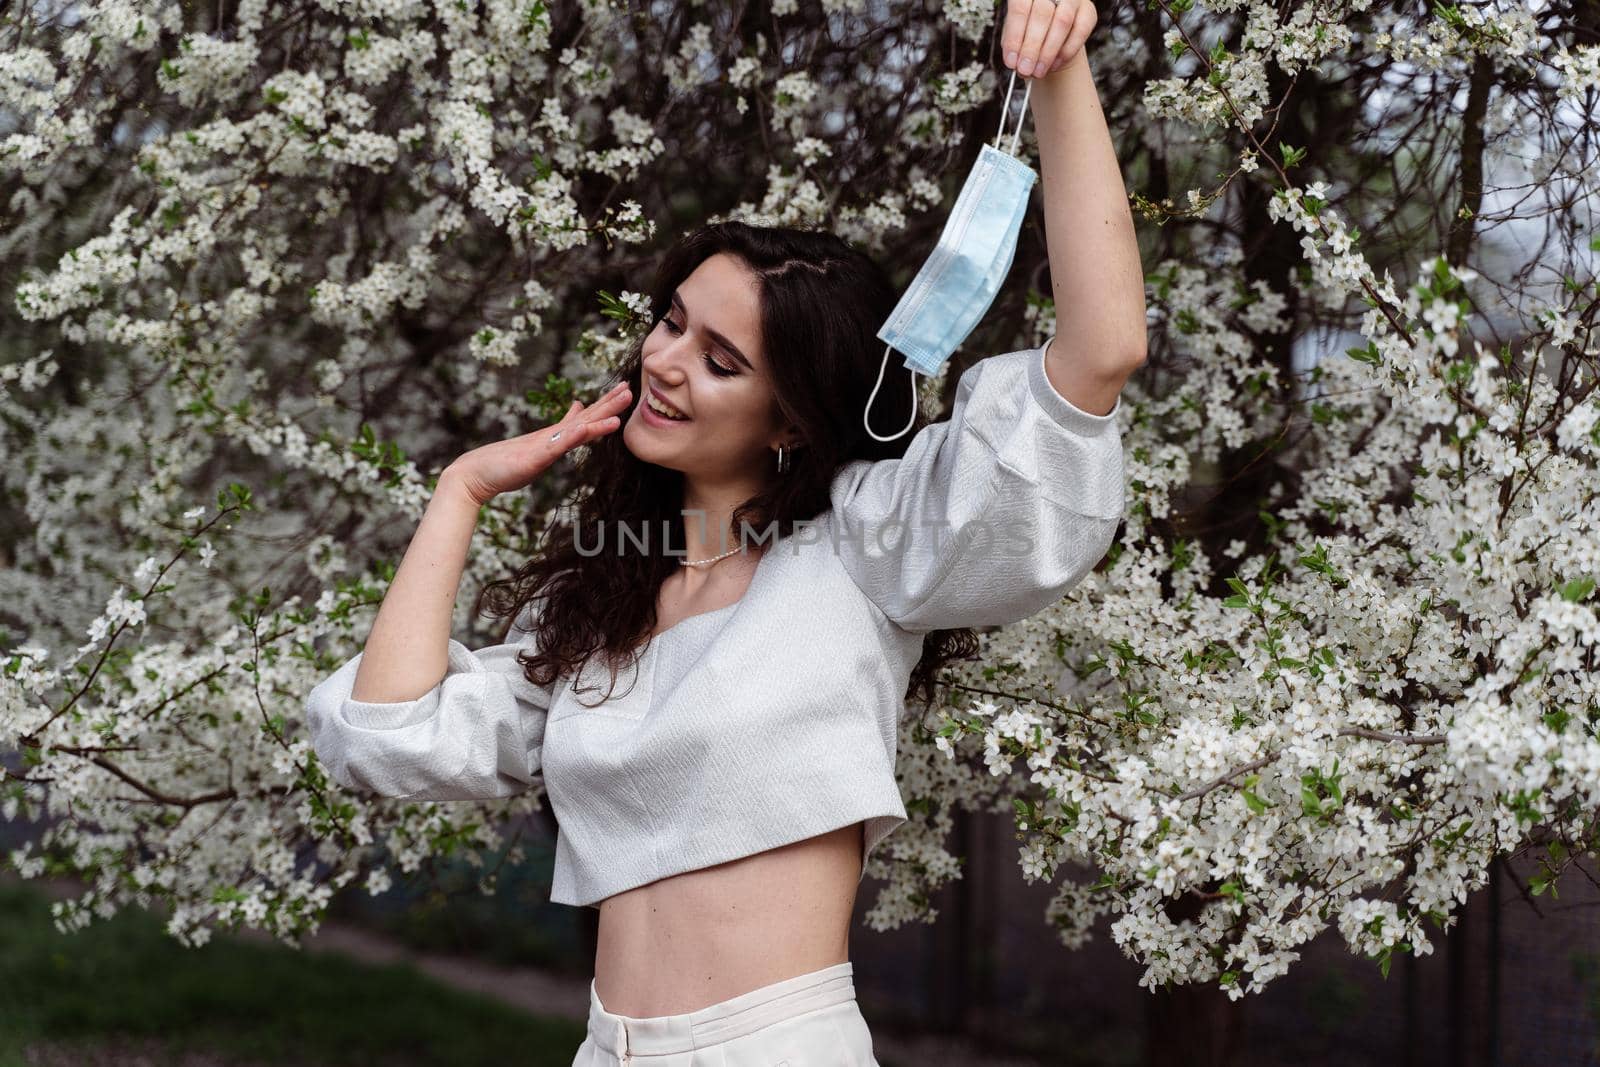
1040, 37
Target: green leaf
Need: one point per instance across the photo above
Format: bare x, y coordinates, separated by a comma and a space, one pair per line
1577, 589
1366, 354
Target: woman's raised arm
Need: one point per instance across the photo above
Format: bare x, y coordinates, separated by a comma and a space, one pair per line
406, 652
1096, 277
417, 713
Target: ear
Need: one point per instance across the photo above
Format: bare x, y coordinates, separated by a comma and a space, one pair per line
788, 435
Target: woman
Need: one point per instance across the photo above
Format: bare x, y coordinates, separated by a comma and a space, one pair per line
719, 803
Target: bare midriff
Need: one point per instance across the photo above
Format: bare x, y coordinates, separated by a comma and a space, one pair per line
689, 941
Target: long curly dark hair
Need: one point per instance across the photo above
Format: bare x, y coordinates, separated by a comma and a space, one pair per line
822, 302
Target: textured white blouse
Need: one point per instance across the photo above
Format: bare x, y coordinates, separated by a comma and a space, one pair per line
774, 718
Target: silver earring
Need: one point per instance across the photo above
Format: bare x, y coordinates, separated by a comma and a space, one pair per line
783, 461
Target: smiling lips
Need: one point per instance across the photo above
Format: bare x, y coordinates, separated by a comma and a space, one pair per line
659, 405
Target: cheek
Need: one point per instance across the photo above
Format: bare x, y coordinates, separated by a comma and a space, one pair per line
737, 414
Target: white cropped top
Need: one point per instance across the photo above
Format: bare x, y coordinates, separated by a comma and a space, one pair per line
774, 718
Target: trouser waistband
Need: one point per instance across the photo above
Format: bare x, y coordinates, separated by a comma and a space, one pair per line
723, 1021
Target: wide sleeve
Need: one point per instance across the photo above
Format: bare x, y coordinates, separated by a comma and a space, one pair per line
991, 515
476, 735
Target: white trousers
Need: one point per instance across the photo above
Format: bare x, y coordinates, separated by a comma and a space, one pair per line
810, 1020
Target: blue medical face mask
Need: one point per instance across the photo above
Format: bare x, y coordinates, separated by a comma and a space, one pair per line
963, 274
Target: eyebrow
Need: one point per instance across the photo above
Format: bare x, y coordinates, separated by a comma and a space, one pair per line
733, 349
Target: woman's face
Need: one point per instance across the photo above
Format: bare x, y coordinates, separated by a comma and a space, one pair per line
704, 358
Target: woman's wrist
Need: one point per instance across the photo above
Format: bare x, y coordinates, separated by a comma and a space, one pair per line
454, 487
1063, 80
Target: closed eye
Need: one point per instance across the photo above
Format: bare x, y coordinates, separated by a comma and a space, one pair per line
716, 368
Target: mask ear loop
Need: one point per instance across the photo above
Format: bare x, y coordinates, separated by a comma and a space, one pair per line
884, 363
1006, 111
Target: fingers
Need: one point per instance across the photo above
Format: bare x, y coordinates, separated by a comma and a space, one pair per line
1011, 33
1040, 37
602, 416
585, 432
616, 400
566, 438
1055, 33
1082, 23
610, 396
1032, 21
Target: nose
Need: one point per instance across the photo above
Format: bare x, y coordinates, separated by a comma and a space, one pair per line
666, 365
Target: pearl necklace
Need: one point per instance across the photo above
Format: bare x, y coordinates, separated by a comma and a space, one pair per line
713, 559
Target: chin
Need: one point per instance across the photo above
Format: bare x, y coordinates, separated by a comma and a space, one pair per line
637, 440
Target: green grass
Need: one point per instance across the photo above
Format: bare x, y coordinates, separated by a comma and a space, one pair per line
126, 978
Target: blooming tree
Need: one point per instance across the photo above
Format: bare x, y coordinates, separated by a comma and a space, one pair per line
274, 266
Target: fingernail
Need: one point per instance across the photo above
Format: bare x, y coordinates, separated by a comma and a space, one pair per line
1011, 58
1026, 68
